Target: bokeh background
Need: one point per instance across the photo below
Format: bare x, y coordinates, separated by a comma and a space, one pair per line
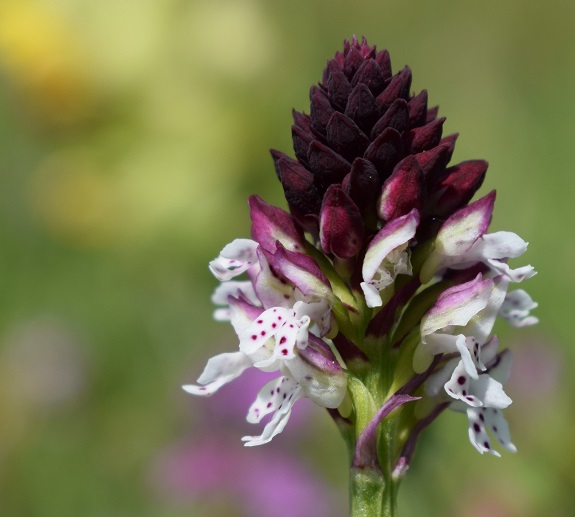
131, 134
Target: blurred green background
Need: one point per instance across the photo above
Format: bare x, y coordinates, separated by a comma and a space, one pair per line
131, 134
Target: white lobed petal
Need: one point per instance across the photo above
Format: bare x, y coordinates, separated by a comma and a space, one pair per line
219, 370
515, 275
236, 258
516, 309
499, 245
270, 398
264, 328
372, 296
477, 432
277, 424
234, 288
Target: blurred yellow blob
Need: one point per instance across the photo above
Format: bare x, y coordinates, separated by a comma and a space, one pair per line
77, 203
41, 57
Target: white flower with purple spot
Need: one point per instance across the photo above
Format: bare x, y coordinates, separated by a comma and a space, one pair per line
481, 398
276, 340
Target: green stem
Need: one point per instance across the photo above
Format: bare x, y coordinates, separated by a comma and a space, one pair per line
371, 495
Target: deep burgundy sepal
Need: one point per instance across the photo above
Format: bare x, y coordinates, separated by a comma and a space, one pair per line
385, 151
299, 187
327, 166
456, 188
425, 137
396, 117
362, 183
370, 74
434, 161
337, 84
397, 88
418, 109
271, 224
320, 108
344, 137
341, 224
361, 107
403, 191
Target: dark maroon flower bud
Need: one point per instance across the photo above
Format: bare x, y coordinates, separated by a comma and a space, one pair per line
301, 140
276, 156
353, 60
341, 224
344, 137
403, 191
338, 86
456, 188
418, 109
370, 74
398, 88
434, 161
424, 137
432, 114
383, 60
385, 151
299, 187
363, 115
362, 183
321, 109
361, 107
396, 117
327, 166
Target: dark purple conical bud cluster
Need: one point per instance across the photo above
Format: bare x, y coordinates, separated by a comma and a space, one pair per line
370, 147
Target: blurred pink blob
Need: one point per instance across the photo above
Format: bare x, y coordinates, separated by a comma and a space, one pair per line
260, 482
537, 371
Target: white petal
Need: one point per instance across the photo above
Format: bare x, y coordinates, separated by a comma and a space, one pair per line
499, 245
436, 382
291, 334
234, 288
516, 308
481, 325
264, 328
515, 275
490, 391
496, 422
459, 386
270, 398
219, 370
236, 258
467, 360
277, 423
372, 296
477, 433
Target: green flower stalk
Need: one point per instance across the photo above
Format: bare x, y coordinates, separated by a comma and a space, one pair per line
376, 295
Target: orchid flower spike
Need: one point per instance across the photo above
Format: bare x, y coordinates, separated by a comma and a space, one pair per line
375, 293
